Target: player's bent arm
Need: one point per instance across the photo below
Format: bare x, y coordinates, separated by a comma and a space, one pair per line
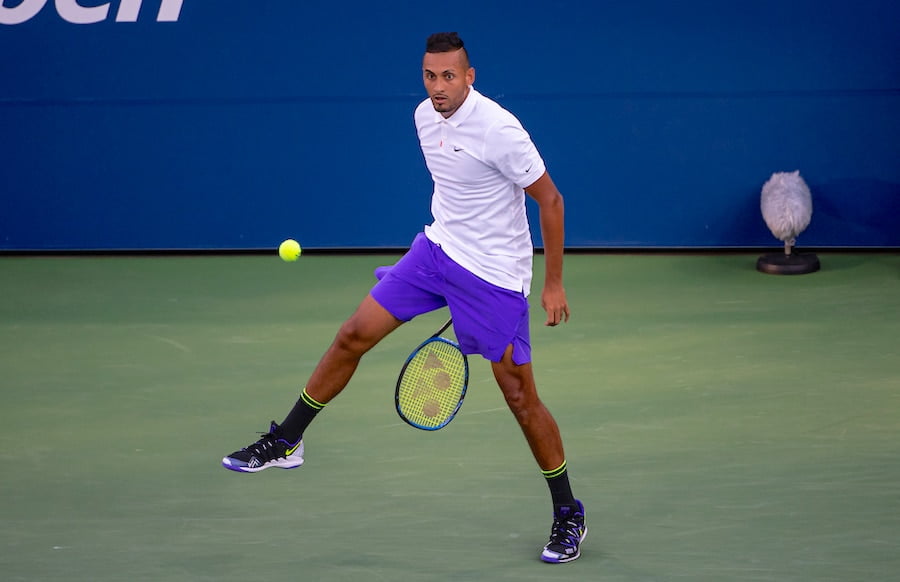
552, 219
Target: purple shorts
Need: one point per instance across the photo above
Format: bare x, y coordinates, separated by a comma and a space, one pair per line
486, 318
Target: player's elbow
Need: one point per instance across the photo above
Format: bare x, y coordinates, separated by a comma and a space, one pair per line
554, 202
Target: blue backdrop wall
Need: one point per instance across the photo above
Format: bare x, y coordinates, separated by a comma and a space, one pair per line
195, 124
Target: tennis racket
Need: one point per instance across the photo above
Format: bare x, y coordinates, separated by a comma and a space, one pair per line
432, 383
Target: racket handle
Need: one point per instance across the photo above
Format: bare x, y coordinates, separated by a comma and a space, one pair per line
443, 328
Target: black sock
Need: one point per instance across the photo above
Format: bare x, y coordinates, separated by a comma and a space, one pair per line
560, 490
303, 413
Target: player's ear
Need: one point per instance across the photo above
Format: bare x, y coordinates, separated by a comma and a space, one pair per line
470, 76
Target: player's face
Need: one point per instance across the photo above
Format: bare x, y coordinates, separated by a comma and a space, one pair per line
447, 77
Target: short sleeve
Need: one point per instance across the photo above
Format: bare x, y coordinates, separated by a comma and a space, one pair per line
509, 149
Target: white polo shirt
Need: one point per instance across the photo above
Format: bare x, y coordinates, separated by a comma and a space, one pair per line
481, 159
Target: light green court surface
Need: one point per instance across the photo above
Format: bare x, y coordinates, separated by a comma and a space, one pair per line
720, 424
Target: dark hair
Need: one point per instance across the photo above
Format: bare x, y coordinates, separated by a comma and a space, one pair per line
446, 42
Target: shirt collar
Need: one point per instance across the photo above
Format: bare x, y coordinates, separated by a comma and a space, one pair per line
464, 111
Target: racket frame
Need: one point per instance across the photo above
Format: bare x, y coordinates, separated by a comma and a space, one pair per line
436, 337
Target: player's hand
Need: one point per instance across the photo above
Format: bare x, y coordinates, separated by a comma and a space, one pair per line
554, 302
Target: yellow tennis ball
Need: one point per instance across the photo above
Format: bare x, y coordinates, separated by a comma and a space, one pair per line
289, 250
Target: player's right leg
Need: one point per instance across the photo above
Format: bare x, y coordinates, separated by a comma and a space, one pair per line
403, 291
271, 450
282, 445
361, 332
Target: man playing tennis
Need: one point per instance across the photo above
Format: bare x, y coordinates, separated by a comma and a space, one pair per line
476, 259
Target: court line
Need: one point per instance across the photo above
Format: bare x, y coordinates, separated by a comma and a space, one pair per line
171, 342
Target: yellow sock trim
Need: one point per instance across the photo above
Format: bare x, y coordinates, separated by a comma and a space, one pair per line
310, 401
555, 472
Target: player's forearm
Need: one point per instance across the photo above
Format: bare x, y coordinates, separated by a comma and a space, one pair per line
552, 215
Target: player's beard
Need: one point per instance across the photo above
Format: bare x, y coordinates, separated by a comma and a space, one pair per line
440, 106
445, 106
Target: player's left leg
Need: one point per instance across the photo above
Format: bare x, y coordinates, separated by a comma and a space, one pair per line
519, 390
517, 383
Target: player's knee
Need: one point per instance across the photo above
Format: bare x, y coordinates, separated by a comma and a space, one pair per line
516, 402
353, 339
521, 401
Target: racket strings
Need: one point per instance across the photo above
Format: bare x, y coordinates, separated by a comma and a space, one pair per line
432, 384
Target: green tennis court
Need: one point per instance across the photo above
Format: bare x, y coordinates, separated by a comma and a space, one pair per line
720, 424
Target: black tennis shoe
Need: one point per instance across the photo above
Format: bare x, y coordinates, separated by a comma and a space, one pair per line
566, 535
272, 450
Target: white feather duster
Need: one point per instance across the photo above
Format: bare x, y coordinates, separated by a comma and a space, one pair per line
786, 206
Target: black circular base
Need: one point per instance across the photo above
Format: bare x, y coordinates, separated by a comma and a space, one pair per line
793, 264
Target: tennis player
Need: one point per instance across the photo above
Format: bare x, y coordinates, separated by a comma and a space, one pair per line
475, 258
